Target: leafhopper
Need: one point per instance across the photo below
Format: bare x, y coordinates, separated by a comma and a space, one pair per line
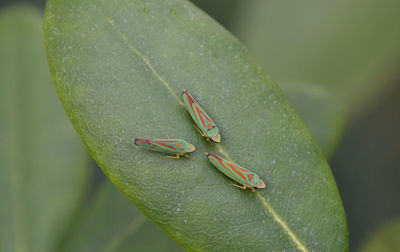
246, 178
178, 147
206, 126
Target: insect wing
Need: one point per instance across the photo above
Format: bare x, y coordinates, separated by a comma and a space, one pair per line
144, 143
231, 170
241, 174
199, 115
168, 145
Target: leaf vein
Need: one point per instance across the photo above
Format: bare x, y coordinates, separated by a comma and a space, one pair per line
281, 222
277, 218
145, 60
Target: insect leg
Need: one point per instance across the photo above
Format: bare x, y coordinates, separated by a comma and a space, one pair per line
241, 187
187, 155
174, 157
201, 132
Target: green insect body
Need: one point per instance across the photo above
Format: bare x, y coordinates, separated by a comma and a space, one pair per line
247, 178
178, 147
201, 118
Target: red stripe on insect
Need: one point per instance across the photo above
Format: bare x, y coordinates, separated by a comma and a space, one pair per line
208, 119
168, 146
199, 112
238, 172
245, 170
219, 160
191, 102
233, 168
190, 99
142, 140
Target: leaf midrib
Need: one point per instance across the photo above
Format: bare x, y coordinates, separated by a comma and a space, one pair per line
264, 202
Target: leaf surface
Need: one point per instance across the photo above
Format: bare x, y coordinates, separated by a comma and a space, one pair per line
119, 68
321, 110
42, 161
111, 223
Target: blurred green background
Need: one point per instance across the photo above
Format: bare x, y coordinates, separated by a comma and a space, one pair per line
348, 51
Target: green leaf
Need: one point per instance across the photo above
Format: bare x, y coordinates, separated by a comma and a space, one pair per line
119, 68
321, 111
111, 223
385, 239
42, 162
333, 43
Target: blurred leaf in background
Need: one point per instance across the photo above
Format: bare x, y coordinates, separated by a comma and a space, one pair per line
357, 42
37, 4
350, 47
366, 165
111, 223
119, 70
367, 168
385, 239
321, 111
320, 108
43, 164
223, 11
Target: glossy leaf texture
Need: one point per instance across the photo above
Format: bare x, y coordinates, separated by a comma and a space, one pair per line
321, 110
120, 67
42, 160
335, 44
110, 222
320, 106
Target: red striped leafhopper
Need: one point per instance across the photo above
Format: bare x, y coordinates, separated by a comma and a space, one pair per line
246, 178
203, 121
178, 147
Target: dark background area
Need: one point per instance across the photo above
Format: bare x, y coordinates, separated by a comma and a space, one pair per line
366, 164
